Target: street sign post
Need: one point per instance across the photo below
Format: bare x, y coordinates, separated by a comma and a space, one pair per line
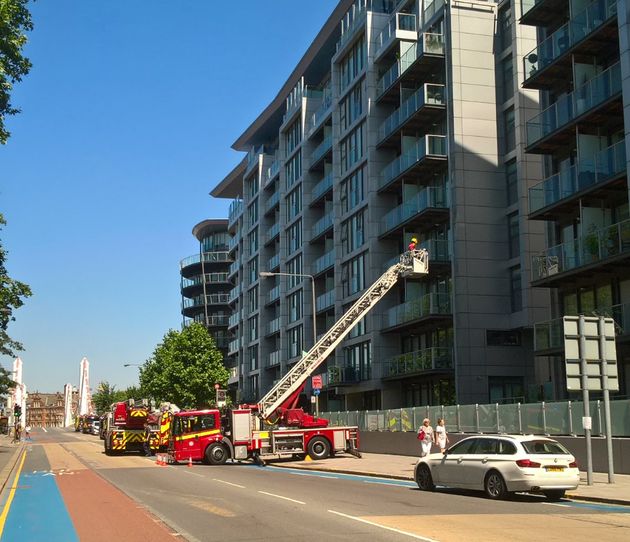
591, 365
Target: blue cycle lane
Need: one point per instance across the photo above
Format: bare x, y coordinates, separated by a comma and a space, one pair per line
33, 508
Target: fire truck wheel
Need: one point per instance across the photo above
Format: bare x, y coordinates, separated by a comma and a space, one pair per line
216, 454
319, 448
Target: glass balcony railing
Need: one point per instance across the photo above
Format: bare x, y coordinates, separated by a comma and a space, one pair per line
550, 334
274, 358
235, 212
234, 346
428, 146
273, 231
233, 242
579, 27
325, 301
595, 92
274, 294
427, 44
322, 186
321, 149
438, 249
234, 319
272, 201
347, 375
428, 305
207, 257
586, 173
233, 268
322, 225
430, 197
234, 294
273, 326
398, 22
350, 23
432, 8
272, 170
427, 94
274, 261
596, 246
325, 262
427, 359
211, 299
322, 110
210, 278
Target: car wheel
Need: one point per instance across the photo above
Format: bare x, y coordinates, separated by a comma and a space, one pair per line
424, 478
494, 485
216, 454
319, 448
554, 494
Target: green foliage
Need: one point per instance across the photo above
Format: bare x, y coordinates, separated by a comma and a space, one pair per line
6, 383
15, 21
184, 369
106, 394
11, 294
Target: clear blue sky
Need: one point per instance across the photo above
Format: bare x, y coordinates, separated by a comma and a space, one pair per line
128, 116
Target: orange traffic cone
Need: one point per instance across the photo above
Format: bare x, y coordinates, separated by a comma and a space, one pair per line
190, 461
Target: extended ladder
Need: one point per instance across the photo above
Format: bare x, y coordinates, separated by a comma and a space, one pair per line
412, 263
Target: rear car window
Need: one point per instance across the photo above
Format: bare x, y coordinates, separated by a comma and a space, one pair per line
486, 446
463, 447
544, 447
506, 447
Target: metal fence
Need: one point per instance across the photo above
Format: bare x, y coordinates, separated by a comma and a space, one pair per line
559, 418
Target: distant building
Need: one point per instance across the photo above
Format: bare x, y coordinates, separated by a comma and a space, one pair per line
45, 409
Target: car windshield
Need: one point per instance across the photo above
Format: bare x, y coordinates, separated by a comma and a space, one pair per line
544, 447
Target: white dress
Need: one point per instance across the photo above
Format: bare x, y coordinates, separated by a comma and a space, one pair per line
440, 436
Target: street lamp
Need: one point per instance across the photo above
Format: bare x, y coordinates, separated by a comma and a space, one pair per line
264, 274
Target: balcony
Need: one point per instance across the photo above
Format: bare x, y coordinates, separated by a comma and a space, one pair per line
273, 232
325, 301
429, 101
428, 206
591, 32
234, 294
234, 346
208, 278
320, 227
273, 295
234, 319
327, 261
236, 211
435, 359
439, 251
322, 188
601, 249
429, 306
321, 151
401, 26
272, 202
253, 158
542, 12
273, 326
211, 299
590, 107
350, 24
419, 61
549, 336
427, 154
206, 257
603, 174
322, 113
274, 358
233, 378
272, 171
346, 376
234, 266
273, 262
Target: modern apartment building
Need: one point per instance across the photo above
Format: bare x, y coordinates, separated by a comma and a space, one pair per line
402, 119
205, 284
581, 65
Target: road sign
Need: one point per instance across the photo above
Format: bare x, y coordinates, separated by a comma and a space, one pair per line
316, 392
313, 399
576, 351
316, 382
221, 398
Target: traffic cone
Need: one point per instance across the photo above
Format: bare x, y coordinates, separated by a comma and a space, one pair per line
308, 458
158, 459
190, 461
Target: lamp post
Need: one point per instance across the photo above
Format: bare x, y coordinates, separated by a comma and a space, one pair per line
264, 274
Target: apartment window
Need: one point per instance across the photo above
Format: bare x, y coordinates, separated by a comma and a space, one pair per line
358, 330
358, 362
511, 179
351, 107
352, 190
501, 337
353, 63
252, 326
507, 79
252, 186
509, 133
252, 212
351, 148
294, 135
294, 337
353, 275
294, 203
353, 232
514, 235
252, 299
253, 240
253, 269
293, 170
294, 236
295, 306
516, 296
294, 267
504, 27
253, 386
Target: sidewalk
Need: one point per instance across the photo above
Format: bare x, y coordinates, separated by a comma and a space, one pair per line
401, 467
9, 455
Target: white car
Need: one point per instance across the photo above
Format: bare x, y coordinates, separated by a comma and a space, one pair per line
500, 465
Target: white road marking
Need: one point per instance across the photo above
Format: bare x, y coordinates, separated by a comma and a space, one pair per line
228, 483
313, 475
44, 430
556, 504
281, 497
411, 535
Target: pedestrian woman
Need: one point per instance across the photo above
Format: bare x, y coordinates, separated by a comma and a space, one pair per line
425, 436
441, 437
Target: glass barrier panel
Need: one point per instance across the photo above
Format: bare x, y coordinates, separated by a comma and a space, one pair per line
509, 419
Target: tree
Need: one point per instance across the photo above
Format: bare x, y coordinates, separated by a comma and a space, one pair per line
105, 395
12, 293
184, 368
6, 383
15, 21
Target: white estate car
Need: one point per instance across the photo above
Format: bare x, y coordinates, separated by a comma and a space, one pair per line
501, 464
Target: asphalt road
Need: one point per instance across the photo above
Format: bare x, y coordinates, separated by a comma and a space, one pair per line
242, 502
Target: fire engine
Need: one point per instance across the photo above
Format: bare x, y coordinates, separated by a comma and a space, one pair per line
126, 427
209, 436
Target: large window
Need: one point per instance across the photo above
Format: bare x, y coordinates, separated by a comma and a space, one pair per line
514, 235
352, 190
295, 306
353, 232
504, 27
351, 148
294, 236
293, 169
252, 186
294, 135
253, 240
358, 361
353, 63
294, 267
253, 269
507, 79
351, 107
252, 212
294, 203
509, 130
253, 358
353, 275
294, 337
511, 179
516, 294
252, 299
252, 326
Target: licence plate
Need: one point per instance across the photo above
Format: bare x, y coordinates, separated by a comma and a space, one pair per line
554, 469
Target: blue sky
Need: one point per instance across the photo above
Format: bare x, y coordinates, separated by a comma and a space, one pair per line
128, 116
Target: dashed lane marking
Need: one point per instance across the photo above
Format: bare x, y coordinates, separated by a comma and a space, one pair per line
281, 497
228, 483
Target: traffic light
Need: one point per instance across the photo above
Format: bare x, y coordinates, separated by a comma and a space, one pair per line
17, 411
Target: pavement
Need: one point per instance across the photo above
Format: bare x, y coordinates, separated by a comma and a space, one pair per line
401, 467
9, 456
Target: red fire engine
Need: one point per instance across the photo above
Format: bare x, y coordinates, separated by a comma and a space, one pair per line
126, 427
